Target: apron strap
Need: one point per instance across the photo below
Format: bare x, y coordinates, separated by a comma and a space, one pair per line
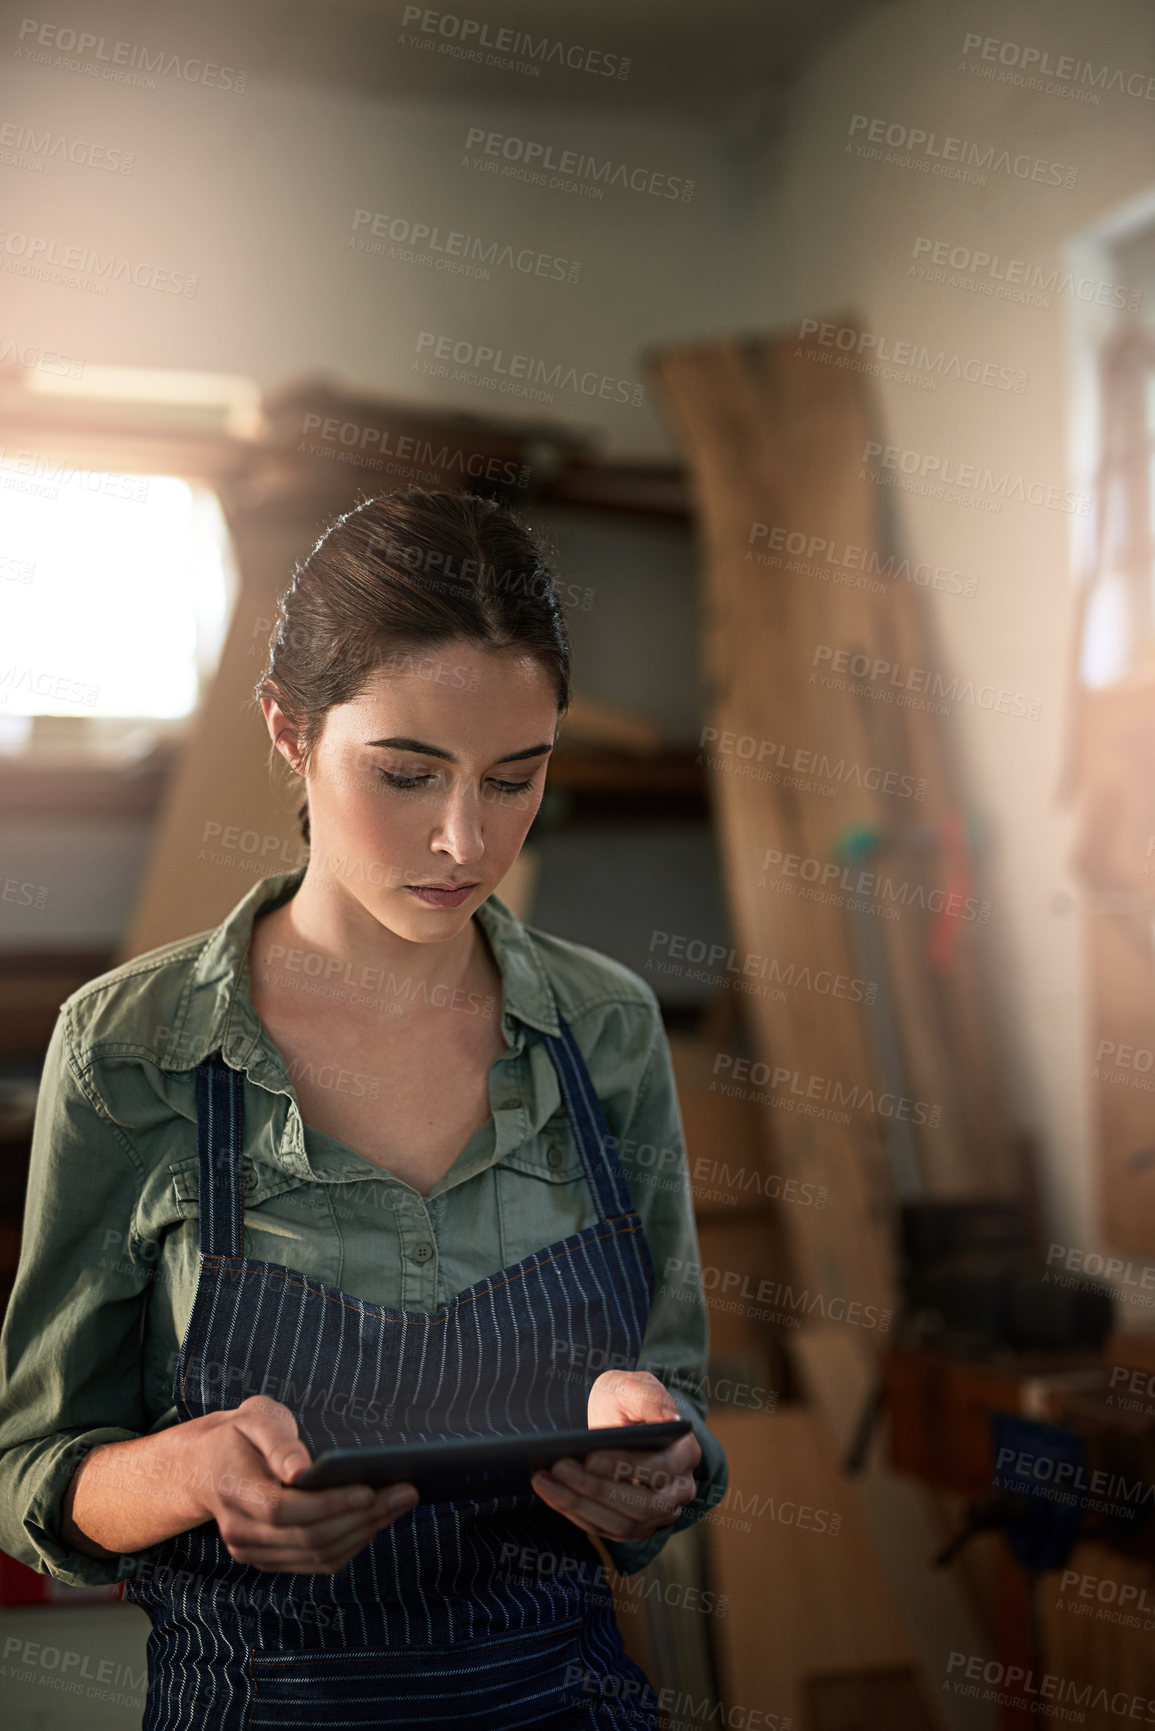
596, 1140
220, 1135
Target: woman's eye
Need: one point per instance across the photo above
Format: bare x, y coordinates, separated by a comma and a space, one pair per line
411, 781
403, 780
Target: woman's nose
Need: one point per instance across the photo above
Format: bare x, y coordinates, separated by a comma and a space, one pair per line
462, 828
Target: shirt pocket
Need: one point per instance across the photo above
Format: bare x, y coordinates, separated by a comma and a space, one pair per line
543, 1194
286, 1219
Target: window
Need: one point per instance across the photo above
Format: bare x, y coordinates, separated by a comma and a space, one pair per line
1111, 285
115, 595
1119, 630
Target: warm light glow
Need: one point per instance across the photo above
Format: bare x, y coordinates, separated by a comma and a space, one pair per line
113, 591
238, 398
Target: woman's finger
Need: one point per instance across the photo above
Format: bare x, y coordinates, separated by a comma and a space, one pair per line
655, 1504
296, 1547
678, 1458
303, 1556
629, 1474
590, 1516
623, 1504
306, 1508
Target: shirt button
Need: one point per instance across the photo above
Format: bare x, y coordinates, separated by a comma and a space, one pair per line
422, 1252
250, 1181
555, 1155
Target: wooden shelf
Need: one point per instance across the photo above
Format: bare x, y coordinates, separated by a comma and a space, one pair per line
34, 786
290, 473
658, 489
610, 787
673, 769
33, 985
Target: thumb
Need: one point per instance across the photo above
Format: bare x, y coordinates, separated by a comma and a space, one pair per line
636, 1395
272, 1430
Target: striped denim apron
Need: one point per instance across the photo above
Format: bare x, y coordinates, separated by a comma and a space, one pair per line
491, 1613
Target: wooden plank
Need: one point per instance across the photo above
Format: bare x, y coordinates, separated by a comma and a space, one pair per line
889, 1698
1098, 1637
609, 725
776, 443
1121, 1028
789, 1549
936, 1605
1115, 858
666, 1614
724, 1141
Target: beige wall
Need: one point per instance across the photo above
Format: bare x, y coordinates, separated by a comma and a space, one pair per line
255, 195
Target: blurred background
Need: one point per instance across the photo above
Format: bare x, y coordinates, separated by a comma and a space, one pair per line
817, 341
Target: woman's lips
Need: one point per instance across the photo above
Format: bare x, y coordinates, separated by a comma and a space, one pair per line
440, 898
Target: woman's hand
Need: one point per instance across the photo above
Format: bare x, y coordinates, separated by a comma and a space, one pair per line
246, 1455
616, 1494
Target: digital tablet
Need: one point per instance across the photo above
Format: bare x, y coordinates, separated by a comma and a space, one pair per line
487, 1466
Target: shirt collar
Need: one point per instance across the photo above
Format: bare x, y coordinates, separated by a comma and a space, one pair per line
217, 1010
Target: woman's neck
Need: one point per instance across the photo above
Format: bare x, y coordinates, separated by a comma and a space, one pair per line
325, 933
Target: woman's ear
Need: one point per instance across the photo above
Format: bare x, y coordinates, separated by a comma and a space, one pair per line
282, 731
289, 749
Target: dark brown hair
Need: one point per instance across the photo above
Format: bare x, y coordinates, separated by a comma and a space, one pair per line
409, 569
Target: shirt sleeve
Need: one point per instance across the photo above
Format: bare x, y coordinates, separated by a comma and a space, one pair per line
70, 1352
676, 1346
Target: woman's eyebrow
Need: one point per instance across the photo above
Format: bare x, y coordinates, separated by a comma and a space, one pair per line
402, 744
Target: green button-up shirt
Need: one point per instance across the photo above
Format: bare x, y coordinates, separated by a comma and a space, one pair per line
110, 1254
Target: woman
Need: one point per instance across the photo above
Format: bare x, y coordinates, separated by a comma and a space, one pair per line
372, 1160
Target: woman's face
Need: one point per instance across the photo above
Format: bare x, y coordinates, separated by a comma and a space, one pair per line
431, 777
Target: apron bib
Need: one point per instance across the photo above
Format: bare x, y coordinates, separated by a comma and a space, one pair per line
493, 1613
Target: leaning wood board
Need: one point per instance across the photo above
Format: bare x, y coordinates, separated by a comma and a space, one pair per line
797, 1582
776, 444
1114, 857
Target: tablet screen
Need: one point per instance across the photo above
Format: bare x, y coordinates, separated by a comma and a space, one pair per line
490, 1466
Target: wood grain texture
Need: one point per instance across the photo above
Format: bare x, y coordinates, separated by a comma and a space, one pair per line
776, 441
790, 1550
